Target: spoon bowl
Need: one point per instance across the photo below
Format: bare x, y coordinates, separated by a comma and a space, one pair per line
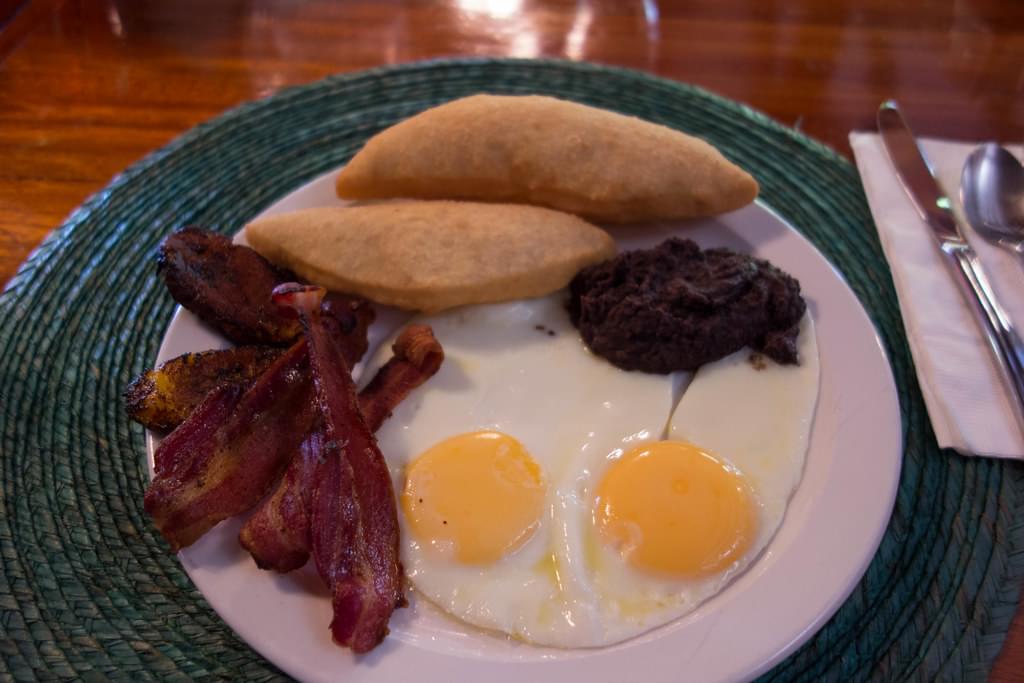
992, 194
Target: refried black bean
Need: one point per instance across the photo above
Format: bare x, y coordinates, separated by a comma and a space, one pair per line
676, 307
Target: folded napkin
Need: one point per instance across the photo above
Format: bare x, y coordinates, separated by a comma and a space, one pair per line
969, 407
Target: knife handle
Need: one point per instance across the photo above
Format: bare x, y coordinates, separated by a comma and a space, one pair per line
1003, 340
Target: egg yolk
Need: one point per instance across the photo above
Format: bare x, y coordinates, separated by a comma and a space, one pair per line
670, 508
479, 493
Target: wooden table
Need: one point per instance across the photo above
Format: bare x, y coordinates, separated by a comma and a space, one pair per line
89, 86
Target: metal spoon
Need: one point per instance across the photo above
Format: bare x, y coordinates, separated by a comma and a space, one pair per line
992, 192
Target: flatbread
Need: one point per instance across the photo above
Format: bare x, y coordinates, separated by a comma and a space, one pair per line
597, 164
429, 256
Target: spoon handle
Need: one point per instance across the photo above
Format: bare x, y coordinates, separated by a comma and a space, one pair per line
1003, 340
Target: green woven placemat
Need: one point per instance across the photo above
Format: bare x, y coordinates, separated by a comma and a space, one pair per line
88, 590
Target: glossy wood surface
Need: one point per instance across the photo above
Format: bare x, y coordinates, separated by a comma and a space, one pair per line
89, 86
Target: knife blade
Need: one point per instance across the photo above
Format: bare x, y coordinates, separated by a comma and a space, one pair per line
934, 207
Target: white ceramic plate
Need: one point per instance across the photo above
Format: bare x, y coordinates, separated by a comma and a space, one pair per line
832, 528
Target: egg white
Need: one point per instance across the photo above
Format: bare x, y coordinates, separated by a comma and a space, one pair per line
522, 369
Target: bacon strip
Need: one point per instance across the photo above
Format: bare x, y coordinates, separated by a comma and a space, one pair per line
221, 466
187, 444
278, 535
417, 358
353, 521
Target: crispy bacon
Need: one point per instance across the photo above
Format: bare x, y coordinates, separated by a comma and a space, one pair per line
277, 535
185, 446
417, 358
223, 465
229, 286
221, 443
353, 520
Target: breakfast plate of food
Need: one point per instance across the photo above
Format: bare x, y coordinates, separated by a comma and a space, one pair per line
526, 389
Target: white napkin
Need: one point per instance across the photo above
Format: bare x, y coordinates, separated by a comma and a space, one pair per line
969, 407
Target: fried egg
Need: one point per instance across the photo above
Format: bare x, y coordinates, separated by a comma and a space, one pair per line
548, 495
479, 458
665, 525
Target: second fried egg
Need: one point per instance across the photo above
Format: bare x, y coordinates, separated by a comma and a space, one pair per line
663, 526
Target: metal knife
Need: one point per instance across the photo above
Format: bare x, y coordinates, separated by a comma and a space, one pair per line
932, 203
